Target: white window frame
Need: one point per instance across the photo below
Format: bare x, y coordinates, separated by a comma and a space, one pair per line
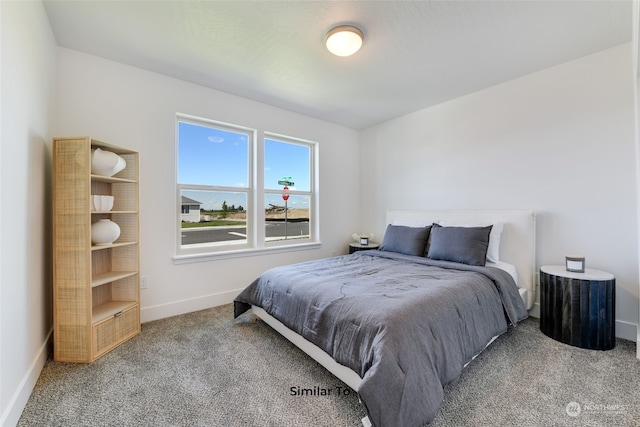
311, 193
255, 243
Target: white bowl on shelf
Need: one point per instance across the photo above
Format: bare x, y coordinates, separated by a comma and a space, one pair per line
101, 203
106, 163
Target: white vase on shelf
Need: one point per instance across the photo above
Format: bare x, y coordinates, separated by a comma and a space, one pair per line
104, 232
106, 163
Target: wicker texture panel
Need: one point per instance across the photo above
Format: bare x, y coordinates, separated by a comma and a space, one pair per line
69, 344
104, 336
126, 289
101, 295
128, 227
125, 197
129, 323
71, 229
108, 333
124, 258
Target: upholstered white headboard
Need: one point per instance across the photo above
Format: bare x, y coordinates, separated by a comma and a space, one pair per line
517, 243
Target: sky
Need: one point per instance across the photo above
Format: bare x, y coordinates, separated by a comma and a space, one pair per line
211, 156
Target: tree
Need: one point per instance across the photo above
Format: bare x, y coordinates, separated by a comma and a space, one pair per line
225, 209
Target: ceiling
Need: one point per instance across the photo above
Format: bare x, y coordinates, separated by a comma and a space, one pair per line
416, 54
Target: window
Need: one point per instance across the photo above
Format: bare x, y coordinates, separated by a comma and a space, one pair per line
224, 192
287, 188
213, 184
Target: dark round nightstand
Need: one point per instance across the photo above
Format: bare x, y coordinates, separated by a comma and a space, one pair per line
355, 247
578, 308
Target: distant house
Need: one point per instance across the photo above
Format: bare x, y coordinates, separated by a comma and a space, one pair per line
190, 210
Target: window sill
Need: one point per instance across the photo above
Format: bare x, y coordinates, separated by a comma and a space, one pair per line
240, 253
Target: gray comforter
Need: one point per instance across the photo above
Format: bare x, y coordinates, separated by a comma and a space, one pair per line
407, 325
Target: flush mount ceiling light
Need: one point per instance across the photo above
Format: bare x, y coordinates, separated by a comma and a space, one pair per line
344, 40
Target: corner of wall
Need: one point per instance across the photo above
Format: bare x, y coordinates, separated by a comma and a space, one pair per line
20, 397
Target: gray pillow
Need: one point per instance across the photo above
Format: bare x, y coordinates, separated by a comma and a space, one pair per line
405, 240
466, 245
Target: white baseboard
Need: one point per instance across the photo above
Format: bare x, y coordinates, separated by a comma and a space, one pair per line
175, 308
535, 311
625, 330
20, 398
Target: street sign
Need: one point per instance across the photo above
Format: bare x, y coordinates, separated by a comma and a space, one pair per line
285, 193
286, 181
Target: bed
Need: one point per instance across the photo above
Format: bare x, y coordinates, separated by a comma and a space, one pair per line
399, 323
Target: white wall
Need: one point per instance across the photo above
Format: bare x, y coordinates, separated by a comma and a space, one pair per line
136, 108
559, 141
27, 82
635, 46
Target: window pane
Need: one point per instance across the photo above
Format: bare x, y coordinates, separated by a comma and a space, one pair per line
285, 159
213, 218
292, 223
212, 156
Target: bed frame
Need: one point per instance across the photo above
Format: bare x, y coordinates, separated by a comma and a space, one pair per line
517, 247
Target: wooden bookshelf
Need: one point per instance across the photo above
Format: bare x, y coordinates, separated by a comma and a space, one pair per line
96, 287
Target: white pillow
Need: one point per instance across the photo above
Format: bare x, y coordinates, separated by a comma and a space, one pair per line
509, 268
493, 251
413, 223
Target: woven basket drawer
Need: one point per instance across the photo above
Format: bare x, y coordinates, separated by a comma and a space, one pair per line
112, 331
129, 323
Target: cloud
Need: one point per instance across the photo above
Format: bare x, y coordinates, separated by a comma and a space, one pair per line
215, 139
